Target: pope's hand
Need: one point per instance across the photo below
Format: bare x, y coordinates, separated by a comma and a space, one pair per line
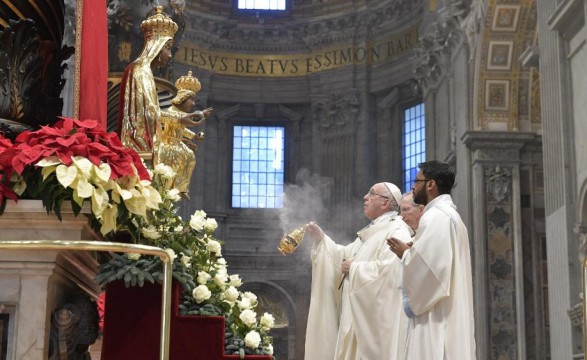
346, 266
314, 231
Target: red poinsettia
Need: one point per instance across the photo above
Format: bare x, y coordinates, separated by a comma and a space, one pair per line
28, 168
71, 137
7, 152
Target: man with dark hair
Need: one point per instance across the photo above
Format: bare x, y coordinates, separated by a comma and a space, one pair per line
436, 273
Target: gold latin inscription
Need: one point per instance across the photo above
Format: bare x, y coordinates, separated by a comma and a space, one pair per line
241, 64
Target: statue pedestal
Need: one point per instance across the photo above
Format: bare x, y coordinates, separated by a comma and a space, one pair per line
35, 283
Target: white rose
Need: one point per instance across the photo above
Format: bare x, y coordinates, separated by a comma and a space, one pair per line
244, 303
173, 195
231, 294
269, 349
164, 170
213, 246
197, 222
133, 256
185, 260
248, 317
235, 280
201, 293
267, 321
150, 232
253, 339
220, 279
210, 224
221, 261
171, 253
249, 295
178, 229
203, 277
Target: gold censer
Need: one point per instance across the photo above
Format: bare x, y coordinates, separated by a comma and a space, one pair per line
290, 242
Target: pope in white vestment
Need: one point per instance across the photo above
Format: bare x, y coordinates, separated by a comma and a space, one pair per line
436, 275
359, 316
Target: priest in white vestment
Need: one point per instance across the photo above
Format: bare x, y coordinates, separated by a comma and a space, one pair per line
436, 273
356, 304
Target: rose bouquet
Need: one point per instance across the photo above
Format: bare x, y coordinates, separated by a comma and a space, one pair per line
209, 289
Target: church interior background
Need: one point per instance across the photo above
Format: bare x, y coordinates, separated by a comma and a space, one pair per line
335, 95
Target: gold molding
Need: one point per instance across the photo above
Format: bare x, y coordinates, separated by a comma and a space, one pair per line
77, 56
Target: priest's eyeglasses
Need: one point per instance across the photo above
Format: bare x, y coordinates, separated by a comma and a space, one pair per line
372, 193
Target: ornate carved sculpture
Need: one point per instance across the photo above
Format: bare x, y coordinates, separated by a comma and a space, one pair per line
337, 110
175, 148
498, 183
30, 77
74, 327
435, 46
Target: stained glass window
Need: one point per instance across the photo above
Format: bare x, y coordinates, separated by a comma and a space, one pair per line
414, 143
257, 166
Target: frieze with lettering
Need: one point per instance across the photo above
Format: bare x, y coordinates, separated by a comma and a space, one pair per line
239, 64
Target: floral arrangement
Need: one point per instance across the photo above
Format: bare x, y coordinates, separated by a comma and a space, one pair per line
198, 265
75, 161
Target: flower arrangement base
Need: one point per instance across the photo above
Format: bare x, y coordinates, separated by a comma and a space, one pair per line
132, 323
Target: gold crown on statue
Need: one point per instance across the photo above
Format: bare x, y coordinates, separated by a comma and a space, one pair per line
188, 82
158, 24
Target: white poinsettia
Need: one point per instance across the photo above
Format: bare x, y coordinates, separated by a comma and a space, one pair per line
252, 339
248, 317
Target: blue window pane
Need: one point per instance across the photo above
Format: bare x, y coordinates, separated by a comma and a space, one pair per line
414, 143
258, 163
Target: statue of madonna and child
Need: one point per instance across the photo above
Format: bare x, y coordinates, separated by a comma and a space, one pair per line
143, 125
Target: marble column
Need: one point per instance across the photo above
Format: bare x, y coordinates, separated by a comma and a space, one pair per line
497, 242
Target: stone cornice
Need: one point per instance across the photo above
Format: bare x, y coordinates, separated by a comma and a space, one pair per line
222, 32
